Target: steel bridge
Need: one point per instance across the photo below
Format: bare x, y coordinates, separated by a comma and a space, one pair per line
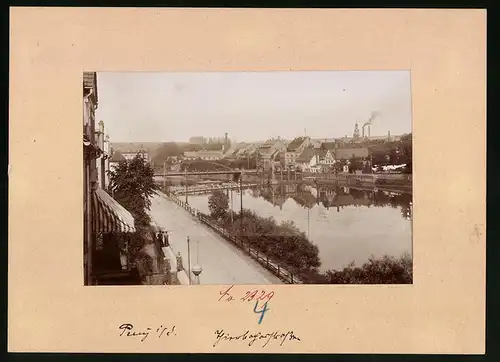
199, 173
227, 171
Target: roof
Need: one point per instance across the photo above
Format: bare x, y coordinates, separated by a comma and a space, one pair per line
347, 153
306, 155
296, 143
272, 143
328, 145
320, 152
116, 157
269, 143
234, 149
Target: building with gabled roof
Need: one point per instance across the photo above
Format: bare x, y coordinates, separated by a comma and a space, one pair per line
129, 150
328, 145
307, 160
294, 149
269, 150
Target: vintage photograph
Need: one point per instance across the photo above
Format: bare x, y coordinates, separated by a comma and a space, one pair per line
289, 177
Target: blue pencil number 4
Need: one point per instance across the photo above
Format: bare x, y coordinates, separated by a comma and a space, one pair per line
262, 311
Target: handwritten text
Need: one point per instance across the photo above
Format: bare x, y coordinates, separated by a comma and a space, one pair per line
127, 330
251, 338
227, 295
254, 295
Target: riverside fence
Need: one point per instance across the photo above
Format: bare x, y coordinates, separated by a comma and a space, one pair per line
278, 269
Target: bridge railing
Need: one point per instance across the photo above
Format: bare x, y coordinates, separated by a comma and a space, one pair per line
270, 264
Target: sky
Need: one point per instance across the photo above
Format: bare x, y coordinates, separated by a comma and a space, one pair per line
251, 106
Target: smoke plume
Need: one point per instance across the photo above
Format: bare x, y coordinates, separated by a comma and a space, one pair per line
373, 115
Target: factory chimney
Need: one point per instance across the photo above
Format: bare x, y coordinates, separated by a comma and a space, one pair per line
225, 141
369, 122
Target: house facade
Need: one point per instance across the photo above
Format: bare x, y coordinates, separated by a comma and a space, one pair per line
102, 163
106, 222
129, 150
248, 150
294, 149
91, 152
307, 160
326, 159
268, 151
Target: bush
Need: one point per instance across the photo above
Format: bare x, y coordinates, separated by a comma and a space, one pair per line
218, 204
283, 243
387, 270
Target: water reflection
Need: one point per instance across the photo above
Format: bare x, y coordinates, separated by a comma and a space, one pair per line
336, 197
347, 224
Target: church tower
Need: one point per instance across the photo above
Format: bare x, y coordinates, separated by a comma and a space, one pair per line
355, 135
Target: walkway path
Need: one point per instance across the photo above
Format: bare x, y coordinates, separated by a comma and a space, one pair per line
222, 262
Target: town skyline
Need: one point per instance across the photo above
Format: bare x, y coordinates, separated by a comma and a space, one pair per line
251, 106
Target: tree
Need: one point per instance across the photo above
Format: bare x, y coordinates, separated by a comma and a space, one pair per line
218, 204
355, 164
166, 150
339, 165
132, 184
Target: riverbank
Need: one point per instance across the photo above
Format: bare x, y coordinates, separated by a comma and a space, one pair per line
221, 261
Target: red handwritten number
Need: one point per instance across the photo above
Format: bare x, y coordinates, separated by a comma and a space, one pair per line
269, 296
253, 295
263, 310
246, 296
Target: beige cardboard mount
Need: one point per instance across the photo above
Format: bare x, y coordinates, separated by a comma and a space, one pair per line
442, 312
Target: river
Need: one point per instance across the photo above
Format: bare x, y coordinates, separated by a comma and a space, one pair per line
347, 224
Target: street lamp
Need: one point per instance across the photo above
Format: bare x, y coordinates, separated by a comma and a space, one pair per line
189, 261
231, 195
186, 181
197, 268
197, 271
165, 176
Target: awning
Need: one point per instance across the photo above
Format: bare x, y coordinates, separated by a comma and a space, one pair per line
109, 215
